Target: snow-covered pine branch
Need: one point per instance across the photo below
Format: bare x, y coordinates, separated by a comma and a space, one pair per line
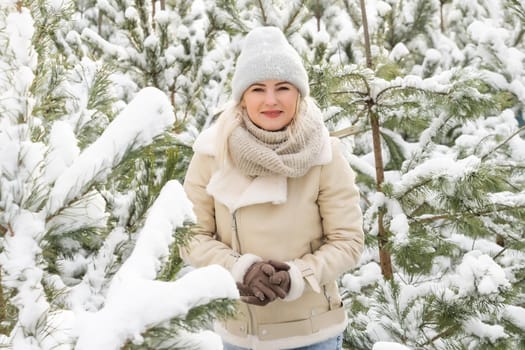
135, 301
146, 117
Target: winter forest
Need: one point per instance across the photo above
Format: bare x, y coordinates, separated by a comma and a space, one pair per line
101, 100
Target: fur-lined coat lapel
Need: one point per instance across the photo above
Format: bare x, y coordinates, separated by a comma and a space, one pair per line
235, 190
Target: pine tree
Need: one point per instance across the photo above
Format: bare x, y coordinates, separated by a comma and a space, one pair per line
178, 47
82, 197
453, 188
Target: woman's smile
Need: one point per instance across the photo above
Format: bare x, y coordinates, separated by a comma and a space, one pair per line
272, 113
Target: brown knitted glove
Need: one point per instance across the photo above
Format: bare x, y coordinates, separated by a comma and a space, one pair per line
248, 297
255, 272
257, 278
256, 287
281, 277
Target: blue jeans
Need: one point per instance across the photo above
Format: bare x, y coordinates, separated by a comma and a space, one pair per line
335, 343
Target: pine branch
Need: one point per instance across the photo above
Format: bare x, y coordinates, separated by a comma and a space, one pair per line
463, 214
71, 200
145, 20
263, 12
443, 334
232, 10
175, 262
352, 92
7, 229
499, 253
317, 8
197, 318
294, 15
353, 12
517, 132
408, 90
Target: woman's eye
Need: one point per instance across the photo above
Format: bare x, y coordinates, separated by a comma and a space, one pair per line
284, 88
257, 90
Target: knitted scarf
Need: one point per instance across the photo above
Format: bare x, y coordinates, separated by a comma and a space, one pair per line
257, 152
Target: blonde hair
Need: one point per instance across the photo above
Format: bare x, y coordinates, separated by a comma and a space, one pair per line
228, 120
231, 117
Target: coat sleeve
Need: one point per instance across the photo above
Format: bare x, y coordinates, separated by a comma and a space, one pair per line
342, 222
203, 248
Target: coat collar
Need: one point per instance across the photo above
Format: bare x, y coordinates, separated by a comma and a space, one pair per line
235, 190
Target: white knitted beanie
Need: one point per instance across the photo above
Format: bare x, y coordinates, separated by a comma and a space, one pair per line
267, 55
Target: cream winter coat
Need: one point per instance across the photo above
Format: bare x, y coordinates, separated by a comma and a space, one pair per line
312, 222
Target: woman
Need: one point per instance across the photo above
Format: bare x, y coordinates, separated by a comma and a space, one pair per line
276, 204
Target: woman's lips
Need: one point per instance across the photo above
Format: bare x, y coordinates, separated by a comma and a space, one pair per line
272, 114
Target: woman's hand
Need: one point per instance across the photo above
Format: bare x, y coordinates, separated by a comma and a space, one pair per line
264, 282
281, 277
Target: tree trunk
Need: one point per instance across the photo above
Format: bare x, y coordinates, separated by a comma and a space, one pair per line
3, 305
441, 18
153, 13
384, 255
99, 22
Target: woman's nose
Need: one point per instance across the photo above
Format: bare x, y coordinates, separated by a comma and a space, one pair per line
270, 98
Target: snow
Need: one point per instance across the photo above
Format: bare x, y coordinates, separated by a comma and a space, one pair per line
516, 314
102, 312
479, 272
24, 248
384, 345
483, 330
162, 17
131, 14
398, 52
436, 167
63, 150
367, 275
113, 50
151, 42
20, 29
483, 33
508, 199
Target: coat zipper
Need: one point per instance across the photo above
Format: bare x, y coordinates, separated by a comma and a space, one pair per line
235, 229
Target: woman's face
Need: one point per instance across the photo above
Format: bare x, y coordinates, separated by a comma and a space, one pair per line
271, 104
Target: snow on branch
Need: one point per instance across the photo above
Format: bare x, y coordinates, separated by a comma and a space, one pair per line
136, 301
508, 199
109, 49
434, 84
171, 209
147, 116
434, 168
516, 315
137, 304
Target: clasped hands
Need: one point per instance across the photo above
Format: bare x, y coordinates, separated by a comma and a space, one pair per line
264, 282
